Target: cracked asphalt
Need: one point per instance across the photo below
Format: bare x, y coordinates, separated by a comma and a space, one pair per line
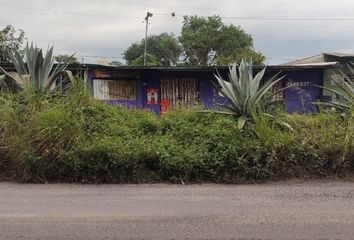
322, 210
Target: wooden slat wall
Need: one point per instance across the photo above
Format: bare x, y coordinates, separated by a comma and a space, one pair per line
114, 89
276, 87
181, 92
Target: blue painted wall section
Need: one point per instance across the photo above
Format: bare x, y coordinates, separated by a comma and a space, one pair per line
150, 79
298, 99
137, 103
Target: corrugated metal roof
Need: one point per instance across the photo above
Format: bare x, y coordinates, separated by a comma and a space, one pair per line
212, 68
289, 66
320, 58
313, 59
316, 64
341, 54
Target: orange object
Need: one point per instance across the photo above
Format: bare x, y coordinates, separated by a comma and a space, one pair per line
165, 105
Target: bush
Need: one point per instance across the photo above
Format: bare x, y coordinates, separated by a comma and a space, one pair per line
196, 146
74, 138
320, 145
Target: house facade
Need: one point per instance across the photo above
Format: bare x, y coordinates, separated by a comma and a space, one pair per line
344, 61
161, 89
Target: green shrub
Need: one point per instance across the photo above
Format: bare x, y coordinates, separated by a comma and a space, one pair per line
327, 140
207, 147
75, 138
111, 159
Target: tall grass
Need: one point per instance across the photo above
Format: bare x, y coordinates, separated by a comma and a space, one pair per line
74, 138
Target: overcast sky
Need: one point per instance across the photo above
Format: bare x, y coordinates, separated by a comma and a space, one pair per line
282, 30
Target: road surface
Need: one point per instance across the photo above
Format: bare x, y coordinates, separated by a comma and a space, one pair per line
288, 210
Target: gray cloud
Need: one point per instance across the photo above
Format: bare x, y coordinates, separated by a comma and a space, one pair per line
107, 27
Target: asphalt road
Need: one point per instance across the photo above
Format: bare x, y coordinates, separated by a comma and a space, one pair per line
288, 210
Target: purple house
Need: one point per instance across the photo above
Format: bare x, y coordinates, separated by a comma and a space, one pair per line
161, 89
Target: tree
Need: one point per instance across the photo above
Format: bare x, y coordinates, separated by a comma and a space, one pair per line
64, 58
257, 57
151, 61
10, 40
164, 47
208, 41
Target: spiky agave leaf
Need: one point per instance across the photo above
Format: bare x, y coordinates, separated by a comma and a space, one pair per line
42, 72
345, 96
244, 92
8, 82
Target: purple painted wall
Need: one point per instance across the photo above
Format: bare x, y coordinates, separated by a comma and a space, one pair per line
137, 103
209, 96
151, 79
299, 98
296, 100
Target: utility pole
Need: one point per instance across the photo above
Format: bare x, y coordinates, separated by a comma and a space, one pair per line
148, 15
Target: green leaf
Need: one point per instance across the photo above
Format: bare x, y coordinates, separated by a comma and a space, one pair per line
43, 74
241, 122
243, 91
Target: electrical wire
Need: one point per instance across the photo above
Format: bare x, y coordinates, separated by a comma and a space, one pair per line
189, 7
67, 12
126, 18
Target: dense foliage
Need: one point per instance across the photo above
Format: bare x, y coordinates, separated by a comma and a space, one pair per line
75, 138
9, 40
151, 61
208, 41
163, 47
64, 58
203, 41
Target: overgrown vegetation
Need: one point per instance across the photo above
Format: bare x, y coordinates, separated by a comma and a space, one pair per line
48, 135
74, 138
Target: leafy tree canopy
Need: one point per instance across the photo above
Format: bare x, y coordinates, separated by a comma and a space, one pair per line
208, 41
257, 57
164, 47
151, 61
70, 59
10, 40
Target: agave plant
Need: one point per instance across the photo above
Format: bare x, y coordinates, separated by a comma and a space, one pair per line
39, 71
246, 93
9, 83
344, 96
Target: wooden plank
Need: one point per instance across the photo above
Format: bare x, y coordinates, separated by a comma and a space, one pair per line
180, 92
114, 89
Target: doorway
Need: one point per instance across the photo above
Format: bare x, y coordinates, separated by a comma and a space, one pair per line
179, 93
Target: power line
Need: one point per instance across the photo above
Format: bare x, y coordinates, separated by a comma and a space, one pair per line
65, 12
186, 6
292, 19
126, 18
281, 18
